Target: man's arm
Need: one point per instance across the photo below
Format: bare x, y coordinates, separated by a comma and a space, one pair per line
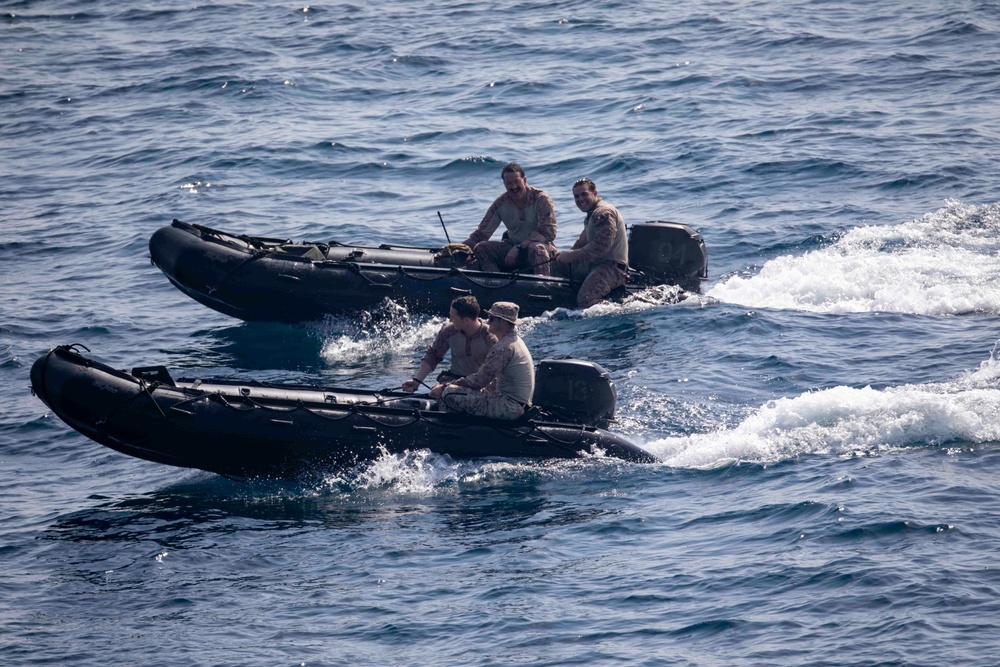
495, 362
546, 232
605, 228
434, 356
491, 221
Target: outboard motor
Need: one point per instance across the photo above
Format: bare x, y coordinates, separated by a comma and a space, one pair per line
668, 251
580, 392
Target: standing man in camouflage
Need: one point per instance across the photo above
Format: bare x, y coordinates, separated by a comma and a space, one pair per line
528, 215
599, 258
502, 388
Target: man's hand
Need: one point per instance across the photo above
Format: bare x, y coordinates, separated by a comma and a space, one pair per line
436, 391
410, 386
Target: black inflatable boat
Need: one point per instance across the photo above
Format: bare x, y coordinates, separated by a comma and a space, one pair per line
252, 429
257, 278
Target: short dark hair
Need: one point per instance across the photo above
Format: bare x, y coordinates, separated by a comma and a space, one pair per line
512, 168
587, 182
466, 306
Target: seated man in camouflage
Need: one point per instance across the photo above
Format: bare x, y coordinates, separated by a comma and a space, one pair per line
531, 228
502, 388
599, 258
468, 338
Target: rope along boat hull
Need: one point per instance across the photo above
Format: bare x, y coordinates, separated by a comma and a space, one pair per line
252, 429
257, 278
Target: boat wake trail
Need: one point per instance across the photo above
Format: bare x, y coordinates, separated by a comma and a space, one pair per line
647, 299
944, 263
851, 421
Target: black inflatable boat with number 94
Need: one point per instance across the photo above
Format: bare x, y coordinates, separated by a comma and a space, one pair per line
258, 278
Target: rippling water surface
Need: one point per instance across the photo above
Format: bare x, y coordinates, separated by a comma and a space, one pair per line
827, 410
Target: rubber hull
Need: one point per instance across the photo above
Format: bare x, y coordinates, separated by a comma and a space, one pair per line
252, 430
252, 278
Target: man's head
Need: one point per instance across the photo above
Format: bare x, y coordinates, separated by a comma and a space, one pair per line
512, 168
585, 194
464, 312
503, 317
514, 179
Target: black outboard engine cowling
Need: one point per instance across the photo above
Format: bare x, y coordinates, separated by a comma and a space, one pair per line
668, 251
580, 392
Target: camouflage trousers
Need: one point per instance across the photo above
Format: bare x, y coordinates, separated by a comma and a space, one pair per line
490, 404
533, 259
598, 279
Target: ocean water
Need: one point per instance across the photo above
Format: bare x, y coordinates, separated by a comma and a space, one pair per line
827, 410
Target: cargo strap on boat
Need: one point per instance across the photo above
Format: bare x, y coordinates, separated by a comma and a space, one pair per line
402, 272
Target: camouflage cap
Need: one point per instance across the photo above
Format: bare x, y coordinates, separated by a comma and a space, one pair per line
505, 310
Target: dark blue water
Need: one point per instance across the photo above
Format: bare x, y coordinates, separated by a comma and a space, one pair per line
827, 410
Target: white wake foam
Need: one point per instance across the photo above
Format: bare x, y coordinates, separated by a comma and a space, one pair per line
851, 421
647, 299
423, 473
945, 263
361, 346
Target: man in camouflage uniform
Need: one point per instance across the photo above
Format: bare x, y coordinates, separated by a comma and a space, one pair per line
468, 338
528, 215
599, 258
502, 388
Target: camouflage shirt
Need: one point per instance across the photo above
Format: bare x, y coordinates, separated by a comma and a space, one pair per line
467, 352
535, 221
511, 365
603, 237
